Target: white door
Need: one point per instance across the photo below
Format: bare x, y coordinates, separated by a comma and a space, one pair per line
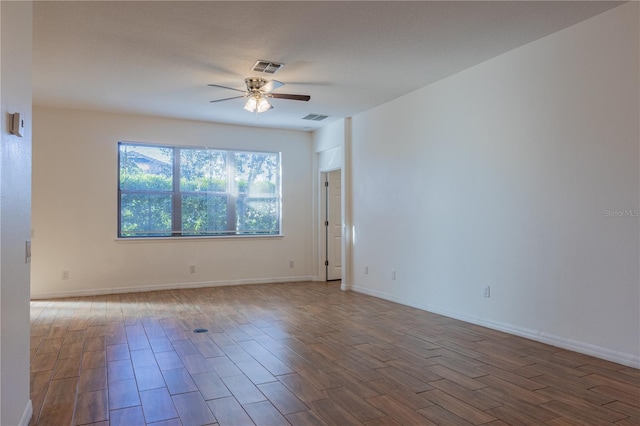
333, 225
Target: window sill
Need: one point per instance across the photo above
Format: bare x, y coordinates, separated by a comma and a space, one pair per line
197, 238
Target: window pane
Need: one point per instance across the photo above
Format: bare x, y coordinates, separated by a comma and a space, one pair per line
202, 214
256, 173
257, 215
203, 170
146, 168
145, 215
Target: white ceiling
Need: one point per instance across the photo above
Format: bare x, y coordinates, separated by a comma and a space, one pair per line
156, 58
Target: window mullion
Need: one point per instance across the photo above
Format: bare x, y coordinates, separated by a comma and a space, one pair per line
232, 193
176, 211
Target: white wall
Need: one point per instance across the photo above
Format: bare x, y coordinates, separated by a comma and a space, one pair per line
75, 209
520, 173
329, 139
15, 197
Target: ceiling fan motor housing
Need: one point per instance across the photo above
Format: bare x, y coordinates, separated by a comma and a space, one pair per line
254, 83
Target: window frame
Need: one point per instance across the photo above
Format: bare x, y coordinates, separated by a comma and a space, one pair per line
176, 195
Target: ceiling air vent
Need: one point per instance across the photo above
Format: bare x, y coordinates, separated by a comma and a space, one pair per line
315, 117
266, 67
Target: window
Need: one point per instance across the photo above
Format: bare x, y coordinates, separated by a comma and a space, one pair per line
175, 191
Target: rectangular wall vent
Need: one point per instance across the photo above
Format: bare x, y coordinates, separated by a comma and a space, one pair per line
315, 117
266, 67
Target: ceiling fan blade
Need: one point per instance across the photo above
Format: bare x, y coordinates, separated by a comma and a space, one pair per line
291, 97
226, 87
226, 99
270, 86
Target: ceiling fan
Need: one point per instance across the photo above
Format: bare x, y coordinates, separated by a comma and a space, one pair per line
257, 93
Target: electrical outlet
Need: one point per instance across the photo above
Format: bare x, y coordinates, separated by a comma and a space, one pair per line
486, 291
393, 275
65, 275
366, 270
192, 269
291, 264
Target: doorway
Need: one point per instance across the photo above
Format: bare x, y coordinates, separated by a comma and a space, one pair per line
332, 222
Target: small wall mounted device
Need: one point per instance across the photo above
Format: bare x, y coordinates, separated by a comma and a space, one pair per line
17, 125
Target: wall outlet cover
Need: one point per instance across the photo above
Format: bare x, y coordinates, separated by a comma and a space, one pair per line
486, 291
17, 125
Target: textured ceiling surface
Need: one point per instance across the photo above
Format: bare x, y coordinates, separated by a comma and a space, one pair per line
156, 58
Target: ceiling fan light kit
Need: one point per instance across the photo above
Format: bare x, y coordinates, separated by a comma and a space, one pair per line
258, 90
257, 104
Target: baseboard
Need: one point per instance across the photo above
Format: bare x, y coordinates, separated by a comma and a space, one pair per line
630, 360
26, 414
168, 286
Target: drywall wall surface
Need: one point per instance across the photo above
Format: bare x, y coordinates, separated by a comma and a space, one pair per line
328, 144
75, 209
329, 137
15, 208
520, 174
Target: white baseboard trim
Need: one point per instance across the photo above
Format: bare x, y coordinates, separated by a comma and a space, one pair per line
168, 286
630, 360
26, 414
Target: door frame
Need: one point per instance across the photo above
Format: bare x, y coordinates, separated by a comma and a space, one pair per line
328, 212
322, 230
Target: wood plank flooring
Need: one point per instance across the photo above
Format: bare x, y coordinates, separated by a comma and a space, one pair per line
303, 354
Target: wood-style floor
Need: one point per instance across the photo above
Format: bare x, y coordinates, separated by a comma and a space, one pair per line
303, 354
